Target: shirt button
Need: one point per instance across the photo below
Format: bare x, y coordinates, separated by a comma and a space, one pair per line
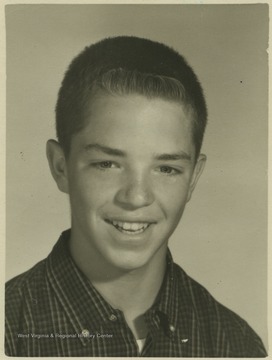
113, 317
172, 328
85, 332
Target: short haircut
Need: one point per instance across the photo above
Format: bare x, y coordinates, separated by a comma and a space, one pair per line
127, 65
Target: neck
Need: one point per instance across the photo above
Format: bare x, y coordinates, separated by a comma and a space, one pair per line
134, 293
134, 290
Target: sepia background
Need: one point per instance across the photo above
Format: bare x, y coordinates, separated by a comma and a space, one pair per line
222, 239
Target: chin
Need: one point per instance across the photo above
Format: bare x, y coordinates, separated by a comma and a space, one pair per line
129, 264
133, 259
125, 260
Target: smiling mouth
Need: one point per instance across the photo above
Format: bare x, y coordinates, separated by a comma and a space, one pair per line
131, 228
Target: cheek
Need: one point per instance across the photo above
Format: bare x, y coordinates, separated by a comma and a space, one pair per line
173, 200
89, 193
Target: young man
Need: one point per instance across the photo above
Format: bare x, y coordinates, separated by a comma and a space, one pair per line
130, 122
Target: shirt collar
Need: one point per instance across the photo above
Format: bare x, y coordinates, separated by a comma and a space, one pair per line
86, 308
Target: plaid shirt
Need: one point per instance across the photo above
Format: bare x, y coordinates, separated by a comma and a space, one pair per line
53, 310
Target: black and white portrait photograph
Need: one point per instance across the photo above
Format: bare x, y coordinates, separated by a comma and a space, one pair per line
136, 179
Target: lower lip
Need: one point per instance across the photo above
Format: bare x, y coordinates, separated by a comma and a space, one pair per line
130, 232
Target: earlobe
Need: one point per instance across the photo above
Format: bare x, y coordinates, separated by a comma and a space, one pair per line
57, 164
199, 167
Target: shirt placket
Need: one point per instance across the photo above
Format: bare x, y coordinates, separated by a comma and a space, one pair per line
124, 343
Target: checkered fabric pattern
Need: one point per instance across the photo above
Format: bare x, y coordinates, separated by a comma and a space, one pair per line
53, 310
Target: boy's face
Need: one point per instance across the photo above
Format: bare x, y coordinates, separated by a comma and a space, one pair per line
129, 175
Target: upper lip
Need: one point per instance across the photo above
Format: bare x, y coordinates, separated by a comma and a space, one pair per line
131, 220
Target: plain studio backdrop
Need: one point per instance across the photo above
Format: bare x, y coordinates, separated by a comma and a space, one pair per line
222, 238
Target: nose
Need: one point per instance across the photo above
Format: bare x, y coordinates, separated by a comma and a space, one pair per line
135, 193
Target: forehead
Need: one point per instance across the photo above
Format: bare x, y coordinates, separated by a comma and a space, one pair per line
107, 106
135, 119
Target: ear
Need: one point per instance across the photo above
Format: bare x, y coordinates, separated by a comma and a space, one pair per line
199, 167
57, 164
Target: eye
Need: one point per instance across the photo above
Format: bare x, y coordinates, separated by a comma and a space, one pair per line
105, 164
168, 170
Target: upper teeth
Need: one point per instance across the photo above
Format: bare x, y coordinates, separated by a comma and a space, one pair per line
130, 226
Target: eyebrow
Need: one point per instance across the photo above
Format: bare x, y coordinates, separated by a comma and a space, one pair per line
181, 155
105, 149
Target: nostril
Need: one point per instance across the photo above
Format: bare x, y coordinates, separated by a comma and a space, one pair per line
135, 196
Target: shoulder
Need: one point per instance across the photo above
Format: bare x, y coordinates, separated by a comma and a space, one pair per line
219, 322
29, 279
20, 293
24, 288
